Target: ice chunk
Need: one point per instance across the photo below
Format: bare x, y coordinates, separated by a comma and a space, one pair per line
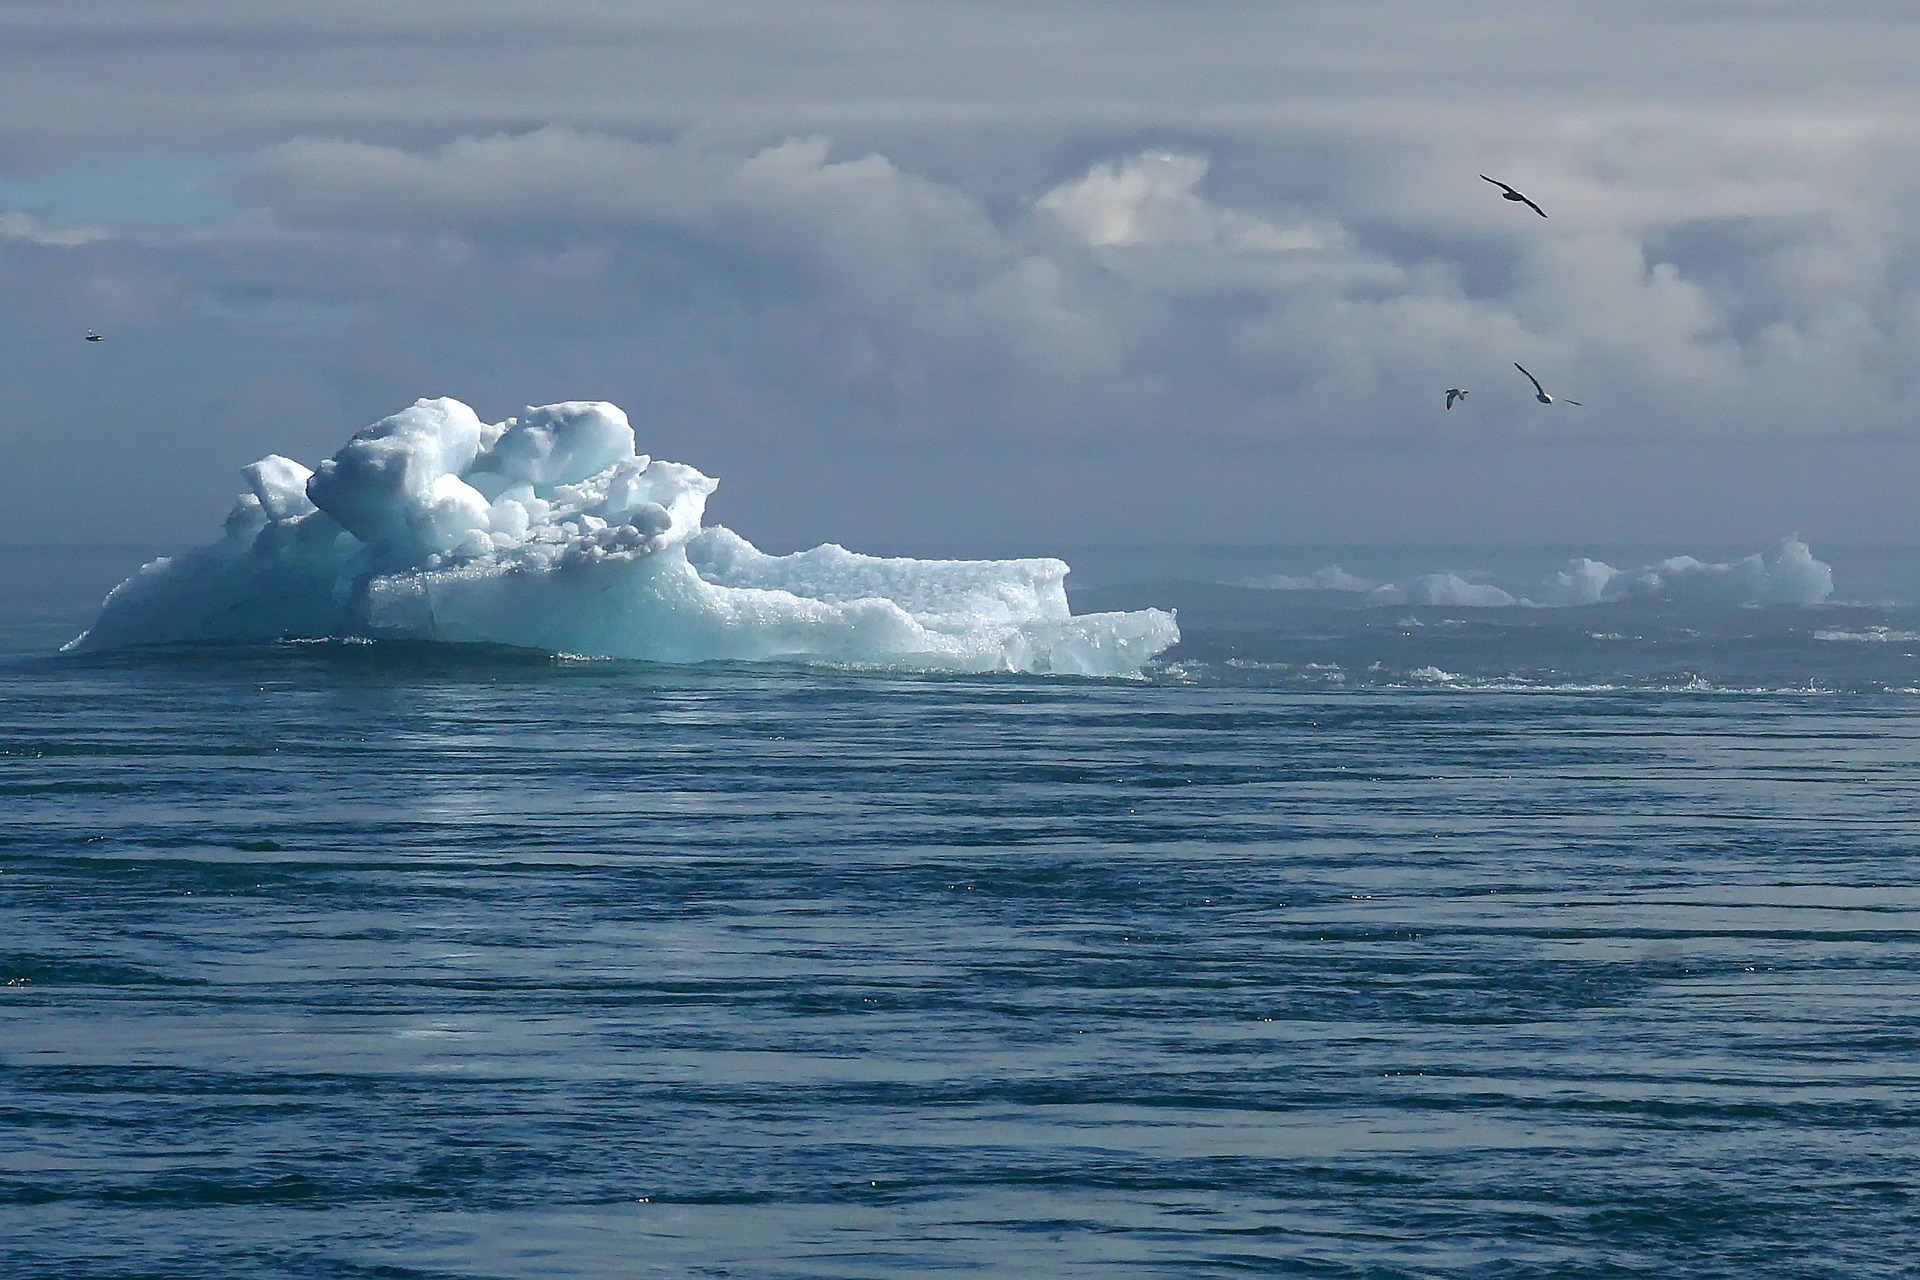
1454, 590
381, 486
508, 522
281, 486
562, 443
1583, 581
1329, 578
960, 593
450, 517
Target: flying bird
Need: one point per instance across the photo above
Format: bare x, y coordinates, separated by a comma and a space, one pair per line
1540, 392
94, 337
1508, 193
1454, 393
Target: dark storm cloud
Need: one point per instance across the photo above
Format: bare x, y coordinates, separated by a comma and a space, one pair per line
976, 240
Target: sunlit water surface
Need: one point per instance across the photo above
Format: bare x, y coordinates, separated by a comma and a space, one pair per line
1350, 941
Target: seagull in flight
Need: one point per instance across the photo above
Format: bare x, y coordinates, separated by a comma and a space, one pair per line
94, 337
1454, 393
1540, 392
1508, 193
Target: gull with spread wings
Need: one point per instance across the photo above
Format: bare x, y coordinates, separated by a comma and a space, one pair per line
1508, 193
1540, 392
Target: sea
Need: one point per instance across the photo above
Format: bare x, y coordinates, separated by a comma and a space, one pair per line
1358, 936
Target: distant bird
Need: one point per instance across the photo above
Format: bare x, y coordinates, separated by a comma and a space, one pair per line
94, 337
1454, 393
1508, 193
1540, 392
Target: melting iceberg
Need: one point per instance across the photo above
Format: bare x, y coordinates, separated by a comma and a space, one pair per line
549, 532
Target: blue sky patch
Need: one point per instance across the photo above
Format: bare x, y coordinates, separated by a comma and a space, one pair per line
139, 190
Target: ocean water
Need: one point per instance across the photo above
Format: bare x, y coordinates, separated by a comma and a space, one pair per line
1354, 939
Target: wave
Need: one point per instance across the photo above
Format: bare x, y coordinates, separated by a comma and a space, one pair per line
1785, 573
549, 532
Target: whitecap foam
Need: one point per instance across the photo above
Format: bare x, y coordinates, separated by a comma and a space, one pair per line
549, 532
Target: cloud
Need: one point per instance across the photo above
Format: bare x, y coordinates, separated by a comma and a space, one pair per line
843, 295
31, 230
547, 177
813, 279
1150, 201
983, 233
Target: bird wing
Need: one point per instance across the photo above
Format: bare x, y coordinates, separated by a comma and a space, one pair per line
1531, 205
1569, 402
1496, 182
1451, 397
1530, 378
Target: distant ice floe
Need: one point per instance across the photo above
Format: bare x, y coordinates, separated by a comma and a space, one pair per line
1785, 573
549, 532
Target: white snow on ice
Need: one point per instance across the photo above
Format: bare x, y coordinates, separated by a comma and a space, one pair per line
548, 531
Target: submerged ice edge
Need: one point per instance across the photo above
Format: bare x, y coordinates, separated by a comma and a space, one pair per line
1785, 573
549, 532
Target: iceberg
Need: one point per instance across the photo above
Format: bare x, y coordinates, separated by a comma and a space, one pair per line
1784, 574
550, 532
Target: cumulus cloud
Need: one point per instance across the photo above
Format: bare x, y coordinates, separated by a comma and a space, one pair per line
813, 275
1151, 201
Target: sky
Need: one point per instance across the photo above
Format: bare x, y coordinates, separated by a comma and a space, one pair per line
913, 274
